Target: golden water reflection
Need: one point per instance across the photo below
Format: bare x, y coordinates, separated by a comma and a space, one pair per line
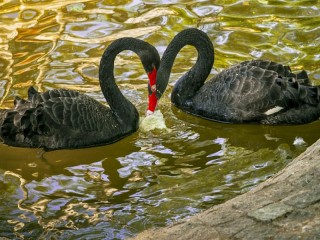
149, 178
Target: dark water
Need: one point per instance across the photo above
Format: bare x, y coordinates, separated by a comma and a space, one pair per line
149, 178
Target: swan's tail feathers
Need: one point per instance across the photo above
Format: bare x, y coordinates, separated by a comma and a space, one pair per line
32, 92
20, 127
302, 94
18, 102
309, 94
7, 128
302, 77
297, 92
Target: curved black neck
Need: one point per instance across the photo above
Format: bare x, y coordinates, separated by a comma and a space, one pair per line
122, 107
187, 86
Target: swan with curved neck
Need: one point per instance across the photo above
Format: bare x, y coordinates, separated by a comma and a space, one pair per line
66, 119
254, 91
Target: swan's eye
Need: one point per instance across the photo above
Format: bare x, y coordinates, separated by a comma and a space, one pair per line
150, 68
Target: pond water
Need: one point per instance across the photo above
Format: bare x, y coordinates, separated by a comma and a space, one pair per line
149, 178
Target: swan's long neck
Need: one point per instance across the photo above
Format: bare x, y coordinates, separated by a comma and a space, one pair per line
187, 86
122, 107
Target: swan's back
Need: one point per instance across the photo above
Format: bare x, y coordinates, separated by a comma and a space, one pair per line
258, 91
57, 119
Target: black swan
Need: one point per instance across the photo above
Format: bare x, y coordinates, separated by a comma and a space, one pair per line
65, 119
254, 91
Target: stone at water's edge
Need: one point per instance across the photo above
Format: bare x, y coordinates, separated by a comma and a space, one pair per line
286, 206
270, 212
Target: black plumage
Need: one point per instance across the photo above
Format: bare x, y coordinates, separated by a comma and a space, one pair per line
256, 91
64, 119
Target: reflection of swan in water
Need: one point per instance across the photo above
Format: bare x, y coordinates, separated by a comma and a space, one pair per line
253, 91
249, 136
65, 119
27, 163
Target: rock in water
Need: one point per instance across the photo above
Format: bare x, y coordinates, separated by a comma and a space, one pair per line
152, 122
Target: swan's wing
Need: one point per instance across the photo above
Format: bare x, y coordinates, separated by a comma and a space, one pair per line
72, 110
248, 92
261, 89
282, 70
53, 113
249, 88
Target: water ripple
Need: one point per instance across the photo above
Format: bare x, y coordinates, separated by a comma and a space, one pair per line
155, 177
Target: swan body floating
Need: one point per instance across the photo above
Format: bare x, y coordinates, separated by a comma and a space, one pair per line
256, 91
66, 119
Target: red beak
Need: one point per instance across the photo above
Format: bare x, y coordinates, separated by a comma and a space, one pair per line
152, 97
